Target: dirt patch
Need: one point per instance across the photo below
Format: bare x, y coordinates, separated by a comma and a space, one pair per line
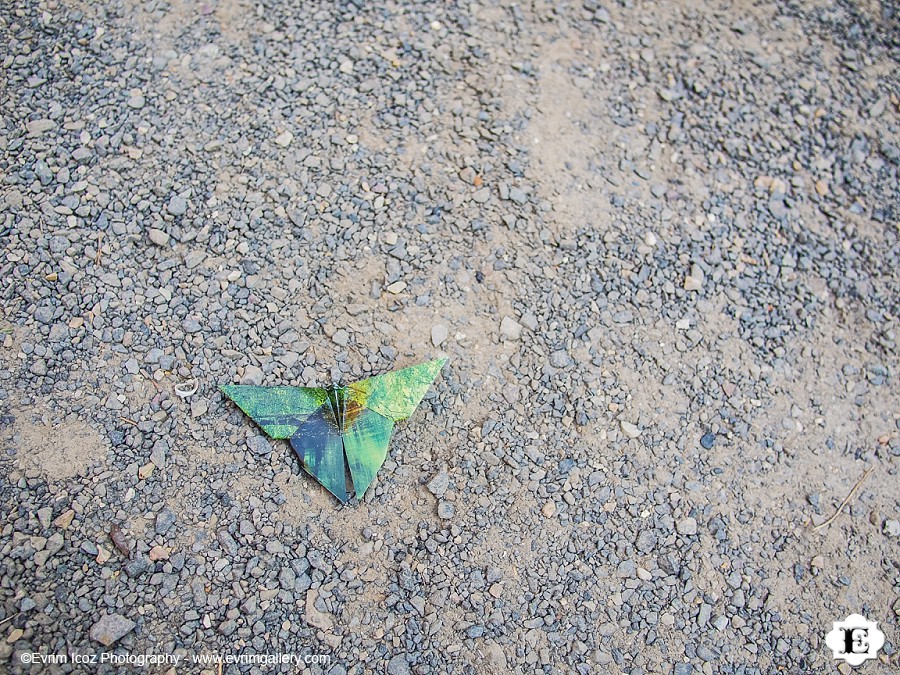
52, 446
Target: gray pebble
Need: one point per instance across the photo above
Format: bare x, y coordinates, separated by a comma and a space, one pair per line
252, 375
439, 484
510, 328
177, 205
704, 614
164, 521
481, 196
227, 542
341, 337
111, 628
706, 653
135, 568
191, 325
518, 195
687, 526
259, 445
45, 516
398, 665
38, 367
158, 237
158, 453
560, 359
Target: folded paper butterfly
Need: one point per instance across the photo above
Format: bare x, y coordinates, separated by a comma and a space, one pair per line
340, 427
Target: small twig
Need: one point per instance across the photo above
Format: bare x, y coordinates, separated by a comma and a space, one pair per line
99, 252
131, 422
846, 500
9, 618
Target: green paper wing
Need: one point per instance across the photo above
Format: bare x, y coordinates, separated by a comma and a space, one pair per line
366, 445
318, 444
395, 395
279, 411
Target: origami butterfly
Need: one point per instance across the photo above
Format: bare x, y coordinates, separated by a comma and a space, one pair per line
338, 428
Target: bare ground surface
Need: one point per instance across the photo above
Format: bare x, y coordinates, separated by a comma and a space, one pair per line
663, 242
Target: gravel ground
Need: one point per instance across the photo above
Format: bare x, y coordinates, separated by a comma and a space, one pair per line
658, 241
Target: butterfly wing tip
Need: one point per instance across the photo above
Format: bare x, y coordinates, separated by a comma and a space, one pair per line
228, 390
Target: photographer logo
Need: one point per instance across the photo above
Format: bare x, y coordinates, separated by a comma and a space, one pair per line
855, 639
